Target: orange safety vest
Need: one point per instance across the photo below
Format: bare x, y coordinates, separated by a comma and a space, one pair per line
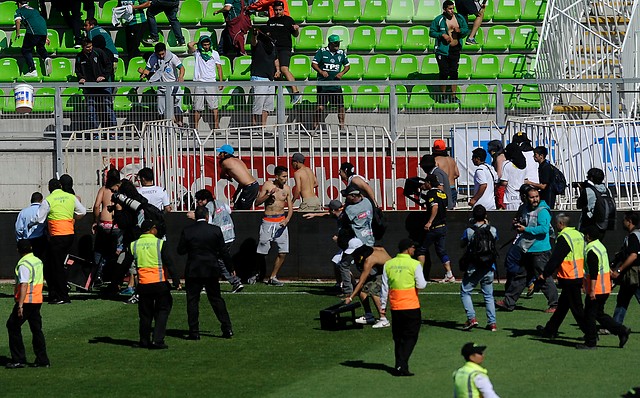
572, 266
61, 211
603, 281
403, 294
146, 252
36, 279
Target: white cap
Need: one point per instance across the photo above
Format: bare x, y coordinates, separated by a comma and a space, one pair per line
353, 245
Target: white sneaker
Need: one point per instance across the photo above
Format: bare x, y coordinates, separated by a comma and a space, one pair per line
33, 73
363, 320
48, 66
450, 279
382, 323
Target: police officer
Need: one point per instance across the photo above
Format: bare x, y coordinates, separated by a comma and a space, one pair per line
471, 380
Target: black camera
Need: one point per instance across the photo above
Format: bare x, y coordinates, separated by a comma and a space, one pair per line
125, 201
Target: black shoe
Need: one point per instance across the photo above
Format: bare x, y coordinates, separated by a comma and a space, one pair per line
41, 365
193, 336
545, 333
227, 334
624, 337
181, 43
15, 365
142, 344
158, 346
585, 347
399, 372
237, 288
55, 302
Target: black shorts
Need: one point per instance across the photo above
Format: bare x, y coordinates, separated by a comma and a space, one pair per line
334, 98
448, 65
284, 56
468, 7
244, 197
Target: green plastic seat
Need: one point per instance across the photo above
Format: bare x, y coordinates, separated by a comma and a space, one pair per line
300, 67
405, 65
309, 39
529, 97
61, 70
189, 64
121, 70
124, 99
356, 67
233, 98
401, 11
226, 67
420, 99
476, 97
487, 67
390, 39
366, 98
427, 10
446, 106
475, 47
67, 43
533, 11
298, 10
132, 74
488, 13
417, 39
120, 41
190, 12
4, 41
498, 39
374, 11
430, 66
23, 68
211, 32
241, 68
321, 11
465, 67
172, 42
379, 68
106, 12
341, 31
363, 39
54, 41
7, 11
208, 17
514, 66
507, 11
15, 44
44, 100
348, 11
401, 95
509, 94
347, 96
72, 100
525, 38
187, 100
9, 69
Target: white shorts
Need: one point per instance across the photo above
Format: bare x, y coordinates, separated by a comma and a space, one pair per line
263, 99
177, 100
273, 232
208, 92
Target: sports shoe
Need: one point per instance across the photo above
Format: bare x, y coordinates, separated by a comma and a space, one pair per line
624, 337
15, 365
545, 333
237, 288
133, 299
500, 304
253, 280
33, 73
530, 290
77, 46
296, 98
492, 327
150, 41
585, 347
450, 279
48, 66
471, 41
274, 282
363, 320
470, 324
382, 323
550, 310
128, 291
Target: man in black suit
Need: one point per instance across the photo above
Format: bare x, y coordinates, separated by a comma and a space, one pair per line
204, 245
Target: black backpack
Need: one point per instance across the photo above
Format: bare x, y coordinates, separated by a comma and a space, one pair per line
481, 250
379, 222
559, 181
604, 212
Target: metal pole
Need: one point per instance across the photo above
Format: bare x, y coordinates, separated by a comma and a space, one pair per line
281, 119
59, 127
615, 101
500, 113
393, 112
168, 103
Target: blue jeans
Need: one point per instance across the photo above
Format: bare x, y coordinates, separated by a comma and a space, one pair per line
436, 237
622, 303
470, 280
171, 11
100, 110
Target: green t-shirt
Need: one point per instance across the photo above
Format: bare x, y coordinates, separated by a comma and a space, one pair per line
99, 31
31, 20
236, 9
138, 15
331, 63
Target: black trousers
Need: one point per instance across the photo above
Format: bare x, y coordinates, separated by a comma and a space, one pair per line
31, 314
39, 246
154, 305
570, 299
212, 287
594, 311
405, 327
56, 273
134, 35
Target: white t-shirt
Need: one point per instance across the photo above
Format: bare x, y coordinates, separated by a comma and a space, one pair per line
532, 167
485, 174
515, 178
156, 196
205, 71
24, 274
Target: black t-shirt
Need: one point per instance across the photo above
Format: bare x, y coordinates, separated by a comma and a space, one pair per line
281, 30
263, 62
632, 246
436, 196
545, 175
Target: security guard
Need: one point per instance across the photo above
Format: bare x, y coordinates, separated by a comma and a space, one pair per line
471, 380
155, 303
401, 278
28, 297
568, 259
598, 286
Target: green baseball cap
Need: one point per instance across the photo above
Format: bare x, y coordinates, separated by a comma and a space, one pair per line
334, 39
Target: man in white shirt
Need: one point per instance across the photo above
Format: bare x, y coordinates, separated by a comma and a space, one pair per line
484, 180
154, 194
207, 63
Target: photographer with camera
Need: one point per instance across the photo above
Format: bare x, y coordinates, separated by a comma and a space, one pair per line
530, 252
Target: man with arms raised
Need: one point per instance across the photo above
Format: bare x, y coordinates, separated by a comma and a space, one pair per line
233, 168
306, 184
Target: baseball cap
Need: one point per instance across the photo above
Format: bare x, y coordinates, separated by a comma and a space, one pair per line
350, 190
520, 137
334, 39
298, 157
226, 148
346, 167
334, 205
472, 348
354, 243
439, 145
147, 225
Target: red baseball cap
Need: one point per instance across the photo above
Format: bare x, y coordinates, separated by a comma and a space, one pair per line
439, 145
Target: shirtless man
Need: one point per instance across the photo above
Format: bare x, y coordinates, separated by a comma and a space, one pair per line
306, 184
370, 262
349, 177
276, 195
108, 236
447, 164
233, 168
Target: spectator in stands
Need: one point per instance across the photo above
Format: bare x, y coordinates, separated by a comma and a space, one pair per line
282, 28
513, 176
35, 36
484, 180
264, 68
100, 43
545, 176
448, 29
94, 66
496, 150
170, 9
93, 29
135, 27
524, 142
232, 37
472, 7
331, 63
164, 66
207, 63
447, 164
72, 15
268, 6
